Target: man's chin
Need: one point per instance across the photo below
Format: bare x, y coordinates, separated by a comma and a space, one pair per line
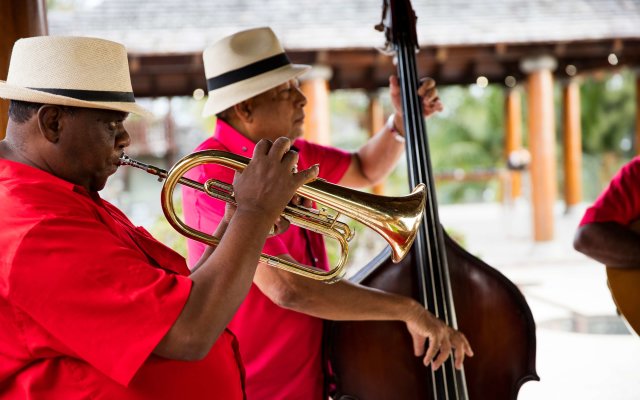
296, 134
98, 187
100, 184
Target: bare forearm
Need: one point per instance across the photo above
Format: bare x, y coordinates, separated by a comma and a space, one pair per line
610, 244
220, 230
229, 270
339, 301
348, 301
374, 160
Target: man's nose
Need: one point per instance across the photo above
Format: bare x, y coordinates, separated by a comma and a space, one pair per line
302, 99
124, 139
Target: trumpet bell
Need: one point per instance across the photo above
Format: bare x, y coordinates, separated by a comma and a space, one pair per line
395, 219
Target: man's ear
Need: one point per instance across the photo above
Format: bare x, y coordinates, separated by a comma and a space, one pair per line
49, 122
244, 111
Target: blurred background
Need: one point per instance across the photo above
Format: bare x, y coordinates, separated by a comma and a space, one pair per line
481, 53
541, 102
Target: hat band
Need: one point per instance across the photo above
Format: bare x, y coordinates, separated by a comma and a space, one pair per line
248, 71
92, 95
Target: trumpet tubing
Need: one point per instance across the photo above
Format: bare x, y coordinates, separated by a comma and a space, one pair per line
396, 219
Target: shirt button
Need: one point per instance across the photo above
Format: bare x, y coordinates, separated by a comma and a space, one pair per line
244, 148
316, 259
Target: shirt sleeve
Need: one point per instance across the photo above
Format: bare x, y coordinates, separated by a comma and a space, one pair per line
100, 298
275, 246
620, 201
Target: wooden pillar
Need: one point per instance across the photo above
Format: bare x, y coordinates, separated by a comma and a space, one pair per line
20, 19
375, 117
572, 134
315, 86
542, 143
513, 138
638, 114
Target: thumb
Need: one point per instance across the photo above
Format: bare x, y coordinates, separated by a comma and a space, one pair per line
308, 175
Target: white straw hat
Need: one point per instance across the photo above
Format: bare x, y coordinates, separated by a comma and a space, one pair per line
71, 71
244, 65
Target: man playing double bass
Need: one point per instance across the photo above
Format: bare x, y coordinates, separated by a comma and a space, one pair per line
254, 93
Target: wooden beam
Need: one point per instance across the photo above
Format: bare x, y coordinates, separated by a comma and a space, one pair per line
368, 69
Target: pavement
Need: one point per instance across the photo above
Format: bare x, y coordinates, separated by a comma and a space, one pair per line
584, 350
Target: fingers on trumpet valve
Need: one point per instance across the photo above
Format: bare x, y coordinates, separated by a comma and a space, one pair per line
298, 200
280, 226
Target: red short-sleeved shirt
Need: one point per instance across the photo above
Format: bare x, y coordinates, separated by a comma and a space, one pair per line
85, 297
281, 349
620, 201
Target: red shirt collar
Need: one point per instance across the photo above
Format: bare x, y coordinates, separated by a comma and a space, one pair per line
27, 173
233, 140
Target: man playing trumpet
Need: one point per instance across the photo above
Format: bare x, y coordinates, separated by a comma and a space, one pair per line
254, 93
90, 305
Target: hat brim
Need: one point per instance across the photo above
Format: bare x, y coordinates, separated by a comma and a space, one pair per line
223, 98
13, 92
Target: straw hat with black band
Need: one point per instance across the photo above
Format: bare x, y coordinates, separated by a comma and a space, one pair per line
244, 65
71, 71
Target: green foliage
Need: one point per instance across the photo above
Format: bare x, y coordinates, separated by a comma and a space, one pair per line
469, 134
468, 137
63, 4
608, 109
608, 114
348, 114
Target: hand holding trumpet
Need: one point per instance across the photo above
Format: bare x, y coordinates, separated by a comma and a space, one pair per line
269, 182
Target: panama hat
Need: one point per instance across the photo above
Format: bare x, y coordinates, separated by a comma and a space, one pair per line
71, 71
244, 65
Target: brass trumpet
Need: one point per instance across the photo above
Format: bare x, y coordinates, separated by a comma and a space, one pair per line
396, 219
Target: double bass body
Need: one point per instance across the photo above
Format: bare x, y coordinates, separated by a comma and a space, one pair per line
374, 360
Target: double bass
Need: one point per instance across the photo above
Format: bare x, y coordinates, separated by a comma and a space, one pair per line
374, 360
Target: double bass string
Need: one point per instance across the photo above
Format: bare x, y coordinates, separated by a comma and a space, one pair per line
443, 386
447, 382
407, 82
